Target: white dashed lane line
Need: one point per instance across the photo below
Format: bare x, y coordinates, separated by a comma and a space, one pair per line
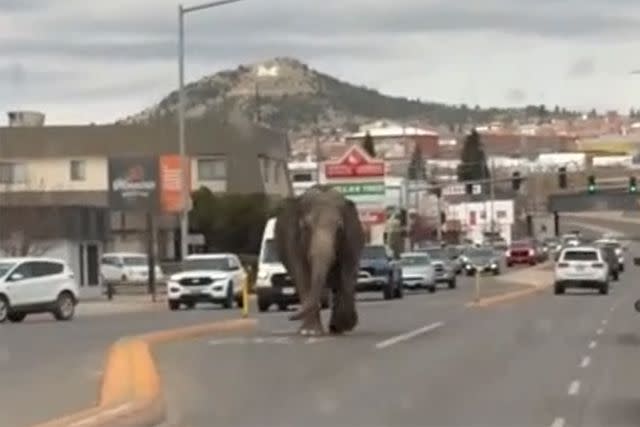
558, 422
409, 335
586, 361
605, 321
599, 331
593, 344
574, 388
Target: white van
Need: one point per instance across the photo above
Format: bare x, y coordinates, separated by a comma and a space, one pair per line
273, 284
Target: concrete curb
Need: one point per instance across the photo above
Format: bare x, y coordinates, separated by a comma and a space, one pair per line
531, 287
131, 391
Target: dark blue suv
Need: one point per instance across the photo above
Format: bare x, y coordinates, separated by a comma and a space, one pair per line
380, 271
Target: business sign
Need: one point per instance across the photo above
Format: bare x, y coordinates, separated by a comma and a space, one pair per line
133, 183
372, 216
170, 168
355, 163
361, 189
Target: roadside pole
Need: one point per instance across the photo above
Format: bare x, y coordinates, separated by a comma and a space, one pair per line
477, 298
245, 297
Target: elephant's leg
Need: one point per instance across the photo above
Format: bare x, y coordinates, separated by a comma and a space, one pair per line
344, 316
312, 324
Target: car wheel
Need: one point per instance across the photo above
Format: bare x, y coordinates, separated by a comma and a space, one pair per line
190, 305
4, 309
283, 306
496, 272
452, 283
615, 276
240, 302
509, 264
263, 304
387, 292
399, 292
16, 317
228, 301
324, 304
604, 290
65, 306
174, 305
558, 290
432, 289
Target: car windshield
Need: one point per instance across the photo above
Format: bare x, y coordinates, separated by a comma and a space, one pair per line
374, 252
408, 260
5, 267
269, 252
580, 256
221, 263
134, 260
480, 253
436, 253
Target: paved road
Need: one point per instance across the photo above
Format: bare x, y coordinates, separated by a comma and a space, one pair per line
543, 360
54, 368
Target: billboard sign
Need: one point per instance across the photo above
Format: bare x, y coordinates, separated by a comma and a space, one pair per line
170, 170
355, 163
133, 183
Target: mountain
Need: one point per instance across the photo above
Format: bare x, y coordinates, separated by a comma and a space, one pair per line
287, 94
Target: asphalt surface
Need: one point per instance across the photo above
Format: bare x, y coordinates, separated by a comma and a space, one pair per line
542, 360
54, 368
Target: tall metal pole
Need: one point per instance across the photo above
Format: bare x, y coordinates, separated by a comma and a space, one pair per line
439, 216
184, 212
492, 190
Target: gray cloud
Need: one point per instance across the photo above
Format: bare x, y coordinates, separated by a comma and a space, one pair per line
333, 18
582, 67
515, 96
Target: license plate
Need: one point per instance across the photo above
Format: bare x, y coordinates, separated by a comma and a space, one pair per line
196, 291
580, 267
288, 291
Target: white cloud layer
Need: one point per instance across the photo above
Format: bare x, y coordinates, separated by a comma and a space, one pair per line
83, 61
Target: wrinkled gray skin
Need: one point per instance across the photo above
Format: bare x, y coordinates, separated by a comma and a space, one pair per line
319, 239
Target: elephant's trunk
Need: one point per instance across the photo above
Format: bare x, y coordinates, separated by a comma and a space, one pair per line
321, 256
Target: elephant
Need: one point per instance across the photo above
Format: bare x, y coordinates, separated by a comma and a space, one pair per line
319, 238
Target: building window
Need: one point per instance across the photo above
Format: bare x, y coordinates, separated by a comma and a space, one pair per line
266, 166
78, 170
501, 214
12, 173
302, 177
212, 169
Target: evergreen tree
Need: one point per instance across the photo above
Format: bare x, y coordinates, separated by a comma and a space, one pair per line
367, 144
417, 170
473, 161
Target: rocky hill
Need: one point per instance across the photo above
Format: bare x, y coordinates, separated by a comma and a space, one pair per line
287, 94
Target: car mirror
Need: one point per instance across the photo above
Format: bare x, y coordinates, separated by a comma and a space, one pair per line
16, 276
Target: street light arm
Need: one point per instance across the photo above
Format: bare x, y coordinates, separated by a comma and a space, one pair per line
208, 5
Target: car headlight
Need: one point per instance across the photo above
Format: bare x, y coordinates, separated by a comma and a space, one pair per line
263, 275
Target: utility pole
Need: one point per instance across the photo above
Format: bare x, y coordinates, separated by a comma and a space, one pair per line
439, 216
492, 191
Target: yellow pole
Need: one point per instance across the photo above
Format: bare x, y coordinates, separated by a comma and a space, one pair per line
245, 297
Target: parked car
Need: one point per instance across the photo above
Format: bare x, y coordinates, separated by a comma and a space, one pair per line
485, 258
127, 268
551, 245
581, 267
521, 252
442, 266
210, 278
380, 272
417, 271
36, 285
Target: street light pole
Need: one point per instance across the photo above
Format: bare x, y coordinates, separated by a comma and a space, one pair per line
184, 162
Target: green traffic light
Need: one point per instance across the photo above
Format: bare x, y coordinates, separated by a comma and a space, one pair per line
633, 189
592, 188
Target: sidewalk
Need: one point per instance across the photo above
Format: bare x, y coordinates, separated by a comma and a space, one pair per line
95, 305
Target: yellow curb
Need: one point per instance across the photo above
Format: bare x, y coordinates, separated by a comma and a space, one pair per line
508, 296
131, 391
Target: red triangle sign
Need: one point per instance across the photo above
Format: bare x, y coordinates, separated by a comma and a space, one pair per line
355, 163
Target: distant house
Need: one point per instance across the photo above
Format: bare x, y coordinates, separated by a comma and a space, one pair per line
393, 140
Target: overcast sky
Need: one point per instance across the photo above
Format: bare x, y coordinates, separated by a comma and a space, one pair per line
82, 61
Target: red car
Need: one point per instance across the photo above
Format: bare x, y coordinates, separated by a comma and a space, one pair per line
523, 252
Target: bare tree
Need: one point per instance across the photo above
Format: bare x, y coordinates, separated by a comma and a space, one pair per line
27, 231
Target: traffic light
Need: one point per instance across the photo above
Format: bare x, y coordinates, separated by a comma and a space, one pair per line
633, 188
516, 181
562, 177
591, 184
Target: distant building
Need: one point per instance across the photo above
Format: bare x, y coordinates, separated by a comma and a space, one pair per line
393, 140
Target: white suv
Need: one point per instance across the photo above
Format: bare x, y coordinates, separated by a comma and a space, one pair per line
581, 267
127, 268
212, 278
36, 285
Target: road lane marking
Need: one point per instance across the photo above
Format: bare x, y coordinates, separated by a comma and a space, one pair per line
407, 336
574, 388
558, 422
90, 420
592, 345
599, 331
585, 362
604, 322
